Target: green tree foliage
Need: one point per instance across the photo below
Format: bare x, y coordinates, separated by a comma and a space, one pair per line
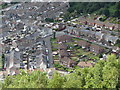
105, 74
72, 81
117, 13
2, 60
109, 9
106, 12
1, 85
56, 82
36, 79
49, 20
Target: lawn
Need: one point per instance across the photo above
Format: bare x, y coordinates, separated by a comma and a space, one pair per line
79, 52
76, 53
54, 44
56, 57
76, 39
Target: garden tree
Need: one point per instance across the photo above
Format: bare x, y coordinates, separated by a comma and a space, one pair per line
106, 12
110, 77
90, 82
118, 5
3, 61
96, 75
118, 84
82, 73
7, 82
54, 34
93, 7
1, 85
110, 72
56, 81
36, 79
71, 10
117, 13
67, 16
49, 20
72, 81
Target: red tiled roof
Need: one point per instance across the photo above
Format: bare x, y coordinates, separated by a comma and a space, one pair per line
63, 53
85, 64
83, 43
64, 38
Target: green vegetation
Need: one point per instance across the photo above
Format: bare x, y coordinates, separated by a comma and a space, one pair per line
5, 5
2, 61
117, 43
60, 67
49, 20
109, 9
54, 44
1, 85
105, 74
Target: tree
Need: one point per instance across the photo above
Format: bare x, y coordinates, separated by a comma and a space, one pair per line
3, 61
72, 81
35, 79
56, 82
106, 12
118, 5
110, 72
49, 20
1, 85
117, 14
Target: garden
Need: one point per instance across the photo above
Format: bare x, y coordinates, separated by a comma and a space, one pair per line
77, 54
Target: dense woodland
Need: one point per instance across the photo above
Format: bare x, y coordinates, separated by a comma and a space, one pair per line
105, 74
109, 9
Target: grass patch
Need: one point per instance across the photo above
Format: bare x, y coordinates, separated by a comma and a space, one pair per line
54, 44
56, 57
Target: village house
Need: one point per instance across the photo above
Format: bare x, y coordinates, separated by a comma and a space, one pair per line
62, 46
67, 62
91, 35
76, 31
96, 49
84, 44
110, 39
64, 38
117, 27
98, 24
63, 53
110, 26
70, 29
61, 26
85, 33
116, 50
83, 20
99, 36
83, 64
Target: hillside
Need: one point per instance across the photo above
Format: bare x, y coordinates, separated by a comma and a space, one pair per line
111, 10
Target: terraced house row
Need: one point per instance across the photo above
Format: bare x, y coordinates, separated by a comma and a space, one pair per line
104, 38
99, 24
